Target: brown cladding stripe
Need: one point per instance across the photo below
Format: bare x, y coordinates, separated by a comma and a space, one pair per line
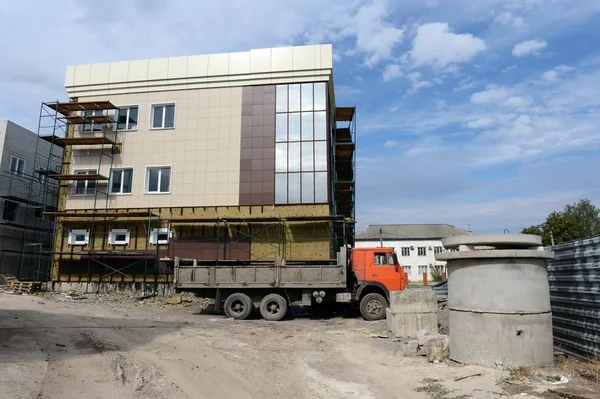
257, 165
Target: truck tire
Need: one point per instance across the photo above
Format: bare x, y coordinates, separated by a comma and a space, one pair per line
372, 307
238, 306
273, 307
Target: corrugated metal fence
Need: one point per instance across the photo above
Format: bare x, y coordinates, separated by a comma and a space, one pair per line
574, 277
441, 290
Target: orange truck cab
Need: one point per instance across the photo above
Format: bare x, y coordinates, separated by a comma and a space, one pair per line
377, 273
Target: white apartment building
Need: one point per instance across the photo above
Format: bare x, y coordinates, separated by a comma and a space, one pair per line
415, 244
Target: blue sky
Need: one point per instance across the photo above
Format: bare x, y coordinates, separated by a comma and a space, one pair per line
474, 113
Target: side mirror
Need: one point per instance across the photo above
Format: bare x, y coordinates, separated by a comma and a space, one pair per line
397, 268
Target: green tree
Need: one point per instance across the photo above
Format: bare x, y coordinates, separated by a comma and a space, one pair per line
575, 221
436, 273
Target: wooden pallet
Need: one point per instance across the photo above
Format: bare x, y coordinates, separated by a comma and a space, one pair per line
23, 288
7, 280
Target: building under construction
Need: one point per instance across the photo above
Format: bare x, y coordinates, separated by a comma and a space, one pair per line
25, 195
233, 158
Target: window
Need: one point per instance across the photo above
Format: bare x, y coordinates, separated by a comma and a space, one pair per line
41, 175
38, 212
92, 127
118, 237
422, 269
438, 250
405, 251
85, 187
406, 269
163, 116
422, 251
17, 165
158, 179
160, 236
380, 259
121, 181
301, 156
79, 237
127, 118
9, 212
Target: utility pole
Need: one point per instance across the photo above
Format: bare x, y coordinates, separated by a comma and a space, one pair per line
552, 238
381, 237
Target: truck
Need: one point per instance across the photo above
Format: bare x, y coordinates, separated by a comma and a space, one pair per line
360, 277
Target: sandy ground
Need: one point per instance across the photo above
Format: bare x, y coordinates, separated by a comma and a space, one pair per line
51, 348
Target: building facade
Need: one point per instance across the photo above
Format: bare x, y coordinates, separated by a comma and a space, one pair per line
415, 244
25, 194
223, 157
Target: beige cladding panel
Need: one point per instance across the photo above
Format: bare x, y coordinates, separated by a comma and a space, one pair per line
254, 67
203, 150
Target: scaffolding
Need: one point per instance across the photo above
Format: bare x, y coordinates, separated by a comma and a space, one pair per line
32, 195
344, 176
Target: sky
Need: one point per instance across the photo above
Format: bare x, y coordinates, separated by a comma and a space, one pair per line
480, 114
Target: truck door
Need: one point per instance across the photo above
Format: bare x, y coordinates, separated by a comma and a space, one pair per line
386, 270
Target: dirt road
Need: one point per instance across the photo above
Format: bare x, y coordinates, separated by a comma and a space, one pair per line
52, 349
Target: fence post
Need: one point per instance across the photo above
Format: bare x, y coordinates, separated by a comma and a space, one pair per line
425, 279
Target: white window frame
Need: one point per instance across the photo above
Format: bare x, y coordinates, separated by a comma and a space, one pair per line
110, 177
421, 268
154, 233
85, 193
95, 112
163, 105
407, 269
113, 233
147, 180
127, 128
17, 171
424, 251
402, 251
73, 233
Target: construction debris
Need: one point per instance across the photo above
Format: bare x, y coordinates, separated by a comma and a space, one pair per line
468, 376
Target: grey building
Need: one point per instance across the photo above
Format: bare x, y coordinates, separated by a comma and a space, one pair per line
25, 194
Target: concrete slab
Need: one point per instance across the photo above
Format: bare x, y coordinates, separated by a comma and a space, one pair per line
413, 300
514, 241
407, 324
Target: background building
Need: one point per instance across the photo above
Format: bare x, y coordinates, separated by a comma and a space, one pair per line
25, 194
415, 244
237, 157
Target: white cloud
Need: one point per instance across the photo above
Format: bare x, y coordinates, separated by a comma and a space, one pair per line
375, 37
492, 94
511, 20
391, 71
484, 121
553, 75
417, 83
516, 102
465, 84
528, 47
435, 44
390, 143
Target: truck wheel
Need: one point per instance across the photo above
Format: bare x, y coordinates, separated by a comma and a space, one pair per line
273, 307
238, 306
372, 307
